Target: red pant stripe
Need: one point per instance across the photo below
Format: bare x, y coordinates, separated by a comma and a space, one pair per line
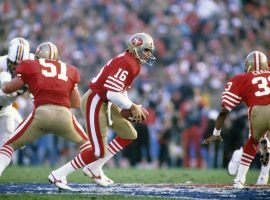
79, 128
22, 128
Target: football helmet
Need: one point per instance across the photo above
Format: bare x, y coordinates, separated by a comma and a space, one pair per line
19, 40
255, 61
141, 45
16, 53
46, 50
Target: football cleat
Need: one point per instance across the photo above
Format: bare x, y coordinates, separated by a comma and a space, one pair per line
265, 151
262, 180
60, 183
98, 176
64, 180
238, 184
235, 161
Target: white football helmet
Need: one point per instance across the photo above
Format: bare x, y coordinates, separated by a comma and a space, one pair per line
16, 53
255, 61
138, 44
19, 40
47, 50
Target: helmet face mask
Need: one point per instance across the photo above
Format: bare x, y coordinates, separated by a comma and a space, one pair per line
16, 53
255, 61
46, 50
141, 45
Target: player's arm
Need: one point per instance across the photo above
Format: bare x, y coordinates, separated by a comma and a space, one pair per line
13, 85
5, 99
220, 120
75, 98
119, 99
123, 102
218, 125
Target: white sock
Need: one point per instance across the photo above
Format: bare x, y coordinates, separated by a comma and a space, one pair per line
6, 153
242, 172
64, 170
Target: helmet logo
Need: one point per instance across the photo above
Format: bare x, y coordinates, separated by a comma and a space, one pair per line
137, 41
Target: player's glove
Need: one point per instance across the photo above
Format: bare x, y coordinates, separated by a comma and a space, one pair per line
212, 139
22, 90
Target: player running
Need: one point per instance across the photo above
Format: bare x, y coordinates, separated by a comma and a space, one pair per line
253, 88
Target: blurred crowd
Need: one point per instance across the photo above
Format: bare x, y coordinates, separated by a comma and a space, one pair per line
199, 45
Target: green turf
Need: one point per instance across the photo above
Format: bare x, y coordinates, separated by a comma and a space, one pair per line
130, 175
15, 174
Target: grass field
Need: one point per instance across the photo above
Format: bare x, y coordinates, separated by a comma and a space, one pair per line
20, 175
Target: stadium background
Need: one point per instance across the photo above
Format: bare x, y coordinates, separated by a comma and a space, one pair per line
199, 45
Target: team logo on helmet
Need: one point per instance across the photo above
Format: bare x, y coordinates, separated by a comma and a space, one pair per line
141, 45
137, 41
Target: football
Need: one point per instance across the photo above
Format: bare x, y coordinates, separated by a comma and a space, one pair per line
127, 114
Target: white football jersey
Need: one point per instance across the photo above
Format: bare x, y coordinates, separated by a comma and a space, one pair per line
6, 99
3, 63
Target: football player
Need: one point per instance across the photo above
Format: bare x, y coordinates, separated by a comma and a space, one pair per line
102, 103
53, 84
252, 88
18, 50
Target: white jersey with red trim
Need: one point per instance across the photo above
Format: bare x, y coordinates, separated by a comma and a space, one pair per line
252, 88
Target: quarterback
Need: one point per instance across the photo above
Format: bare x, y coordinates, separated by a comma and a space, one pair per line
252, 88
102, 103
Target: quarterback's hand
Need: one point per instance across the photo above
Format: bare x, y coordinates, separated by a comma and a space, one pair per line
137, 113
212, 139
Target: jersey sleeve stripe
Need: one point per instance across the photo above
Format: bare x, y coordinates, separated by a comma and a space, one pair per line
233, 95
112, 88
116, 80
114, 84
228, 108
228, 102
230, 99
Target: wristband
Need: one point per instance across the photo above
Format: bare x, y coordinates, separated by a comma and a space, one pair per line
216, 132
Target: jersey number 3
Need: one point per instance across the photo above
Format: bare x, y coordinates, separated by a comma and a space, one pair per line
50, 70
262, 83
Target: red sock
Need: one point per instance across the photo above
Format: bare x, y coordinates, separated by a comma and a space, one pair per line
249, 151
84, 158
117, 144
